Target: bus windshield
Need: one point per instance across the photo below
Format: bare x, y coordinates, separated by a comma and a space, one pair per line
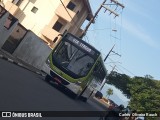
72, 59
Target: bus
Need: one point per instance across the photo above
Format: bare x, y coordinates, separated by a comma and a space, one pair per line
77, 66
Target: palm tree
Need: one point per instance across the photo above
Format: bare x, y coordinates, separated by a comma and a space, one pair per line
109, 92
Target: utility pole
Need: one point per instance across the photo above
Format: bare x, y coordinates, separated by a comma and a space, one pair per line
103, 5
112, 68
109, 53
92, 19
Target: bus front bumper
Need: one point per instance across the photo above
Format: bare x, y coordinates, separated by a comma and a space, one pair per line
75, 88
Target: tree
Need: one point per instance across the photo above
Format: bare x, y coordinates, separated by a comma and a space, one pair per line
145, 95
120, 81
143, 92
109, 92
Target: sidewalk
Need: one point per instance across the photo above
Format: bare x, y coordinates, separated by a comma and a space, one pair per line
6, 56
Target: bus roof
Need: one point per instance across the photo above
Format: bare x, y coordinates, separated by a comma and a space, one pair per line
84, 42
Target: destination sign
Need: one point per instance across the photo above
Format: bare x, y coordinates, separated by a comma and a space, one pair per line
81, 45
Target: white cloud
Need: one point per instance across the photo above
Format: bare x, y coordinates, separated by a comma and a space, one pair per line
139, 10
138, 31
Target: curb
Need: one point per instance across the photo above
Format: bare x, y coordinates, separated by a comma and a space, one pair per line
20, 64
40, 74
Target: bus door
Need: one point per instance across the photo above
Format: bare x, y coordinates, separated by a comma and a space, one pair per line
93, 83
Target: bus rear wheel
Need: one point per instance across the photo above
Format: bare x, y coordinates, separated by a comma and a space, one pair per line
79, 96
84, 99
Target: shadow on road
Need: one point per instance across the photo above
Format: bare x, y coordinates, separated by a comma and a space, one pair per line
63, 89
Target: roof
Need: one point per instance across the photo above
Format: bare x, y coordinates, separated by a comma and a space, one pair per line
90, 14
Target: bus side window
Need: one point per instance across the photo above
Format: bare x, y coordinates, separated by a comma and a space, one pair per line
99, 72
95, 70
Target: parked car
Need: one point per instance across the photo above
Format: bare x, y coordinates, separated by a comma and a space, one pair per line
112, 104
98, 95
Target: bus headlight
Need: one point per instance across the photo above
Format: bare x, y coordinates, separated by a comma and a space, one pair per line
78, 83
48, 62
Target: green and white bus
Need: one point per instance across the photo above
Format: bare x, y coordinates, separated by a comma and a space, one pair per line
77, 66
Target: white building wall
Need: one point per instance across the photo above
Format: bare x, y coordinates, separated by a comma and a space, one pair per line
37, 21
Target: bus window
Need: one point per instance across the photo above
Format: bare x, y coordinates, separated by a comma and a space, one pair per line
73, 59
99, 73
10, 21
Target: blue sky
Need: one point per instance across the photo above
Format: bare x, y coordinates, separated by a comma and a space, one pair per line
136, 39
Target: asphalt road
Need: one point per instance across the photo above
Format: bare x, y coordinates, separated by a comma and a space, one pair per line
23, 90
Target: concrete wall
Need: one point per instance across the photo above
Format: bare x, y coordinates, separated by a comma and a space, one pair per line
32, 50
4, 32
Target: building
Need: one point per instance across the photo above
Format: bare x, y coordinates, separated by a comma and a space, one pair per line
49, 18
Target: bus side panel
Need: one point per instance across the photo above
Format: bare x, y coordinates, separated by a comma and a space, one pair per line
95, 78
89, 83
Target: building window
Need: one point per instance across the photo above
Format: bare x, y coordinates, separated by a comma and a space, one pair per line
57, 26
9, 22
17, 2
71, 6
2, 11
34, 9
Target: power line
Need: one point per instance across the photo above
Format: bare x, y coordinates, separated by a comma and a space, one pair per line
121, 24
120, 70
122, 67
103, 5
127, 70
100, 29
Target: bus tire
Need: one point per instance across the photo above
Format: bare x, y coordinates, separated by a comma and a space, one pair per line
84, 99
47, 78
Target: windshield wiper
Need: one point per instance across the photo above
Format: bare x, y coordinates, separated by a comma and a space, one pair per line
80, 57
